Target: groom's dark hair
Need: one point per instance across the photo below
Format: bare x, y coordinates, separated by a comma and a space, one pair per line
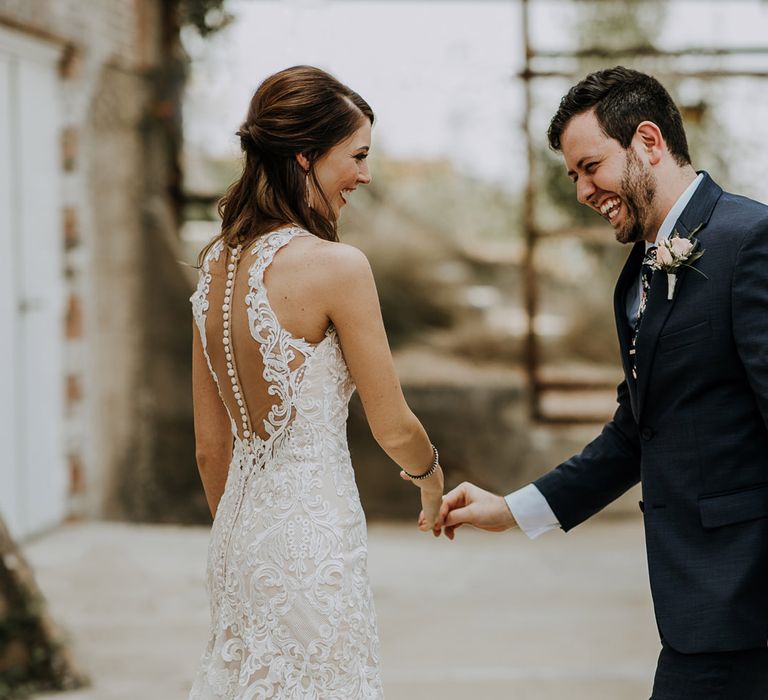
622, 98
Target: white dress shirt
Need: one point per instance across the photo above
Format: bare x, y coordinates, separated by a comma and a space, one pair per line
528, 506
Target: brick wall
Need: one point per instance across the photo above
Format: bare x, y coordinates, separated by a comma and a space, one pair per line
111, 54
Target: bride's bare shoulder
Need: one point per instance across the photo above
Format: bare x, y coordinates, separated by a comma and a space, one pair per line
315, 280
330, 262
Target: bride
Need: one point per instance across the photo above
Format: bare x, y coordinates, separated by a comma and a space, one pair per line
287, 325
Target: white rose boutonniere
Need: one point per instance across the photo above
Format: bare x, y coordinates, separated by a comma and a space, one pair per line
674, 253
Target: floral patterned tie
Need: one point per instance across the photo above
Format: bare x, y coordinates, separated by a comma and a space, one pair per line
646, 272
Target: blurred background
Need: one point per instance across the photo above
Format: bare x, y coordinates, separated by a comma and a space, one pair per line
117, 123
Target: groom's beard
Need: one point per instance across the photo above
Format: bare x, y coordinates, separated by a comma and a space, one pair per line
638, 190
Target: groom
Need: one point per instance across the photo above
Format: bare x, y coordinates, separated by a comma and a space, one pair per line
692, 418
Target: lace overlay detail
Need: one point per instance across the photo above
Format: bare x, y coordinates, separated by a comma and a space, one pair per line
292, 614
200, 305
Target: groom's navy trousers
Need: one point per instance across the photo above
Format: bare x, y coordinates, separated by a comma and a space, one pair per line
693, 429
722, 675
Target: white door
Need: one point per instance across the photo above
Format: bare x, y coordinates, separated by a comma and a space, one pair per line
33, 469
8, 322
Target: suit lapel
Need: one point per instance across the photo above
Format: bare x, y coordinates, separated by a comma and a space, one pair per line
629, 276
657, 309
695, 216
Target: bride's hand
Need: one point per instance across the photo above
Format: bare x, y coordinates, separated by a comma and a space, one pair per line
431, 499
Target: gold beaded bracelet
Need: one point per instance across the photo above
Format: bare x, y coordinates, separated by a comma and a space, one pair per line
435, 464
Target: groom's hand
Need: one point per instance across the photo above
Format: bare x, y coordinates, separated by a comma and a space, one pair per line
468, 504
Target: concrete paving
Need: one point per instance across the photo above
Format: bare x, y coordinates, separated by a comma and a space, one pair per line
484, 617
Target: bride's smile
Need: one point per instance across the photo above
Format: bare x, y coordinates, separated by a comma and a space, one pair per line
340, 171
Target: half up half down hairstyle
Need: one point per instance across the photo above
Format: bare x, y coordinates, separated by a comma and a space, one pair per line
300, 110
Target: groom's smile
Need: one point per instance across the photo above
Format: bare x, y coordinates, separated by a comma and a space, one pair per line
610, 208
611, 180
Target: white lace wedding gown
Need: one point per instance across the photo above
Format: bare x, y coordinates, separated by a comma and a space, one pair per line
292, 615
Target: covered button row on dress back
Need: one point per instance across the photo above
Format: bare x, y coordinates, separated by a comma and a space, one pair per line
229, 355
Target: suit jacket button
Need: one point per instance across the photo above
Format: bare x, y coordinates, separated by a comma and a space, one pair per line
646, 433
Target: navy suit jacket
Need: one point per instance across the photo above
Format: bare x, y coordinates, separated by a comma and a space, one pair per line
694, 430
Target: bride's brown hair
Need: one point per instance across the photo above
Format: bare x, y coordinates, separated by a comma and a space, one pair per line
298, 110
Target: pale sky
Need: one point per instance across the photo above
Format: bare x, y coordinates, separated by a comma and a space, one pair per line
438, 74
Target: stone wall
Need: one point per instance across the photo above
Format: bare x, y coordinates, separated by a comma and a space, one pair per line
478, 417
481, 434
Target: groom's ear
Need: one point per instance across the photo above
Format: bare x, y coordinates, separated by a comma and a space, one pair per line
650, 141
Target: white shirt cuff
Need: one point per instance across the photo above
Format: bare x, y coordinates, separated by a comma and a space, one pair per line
531, 511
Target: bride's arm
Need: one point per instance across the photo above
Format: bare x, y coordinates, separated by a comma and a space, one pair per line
353, 307
213, 436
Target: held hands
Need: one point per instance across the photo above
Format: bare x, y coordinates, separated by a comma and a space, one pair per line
468, 504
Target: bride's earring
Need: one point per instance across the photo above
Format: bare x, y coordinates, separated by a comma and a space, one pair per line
307, 193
